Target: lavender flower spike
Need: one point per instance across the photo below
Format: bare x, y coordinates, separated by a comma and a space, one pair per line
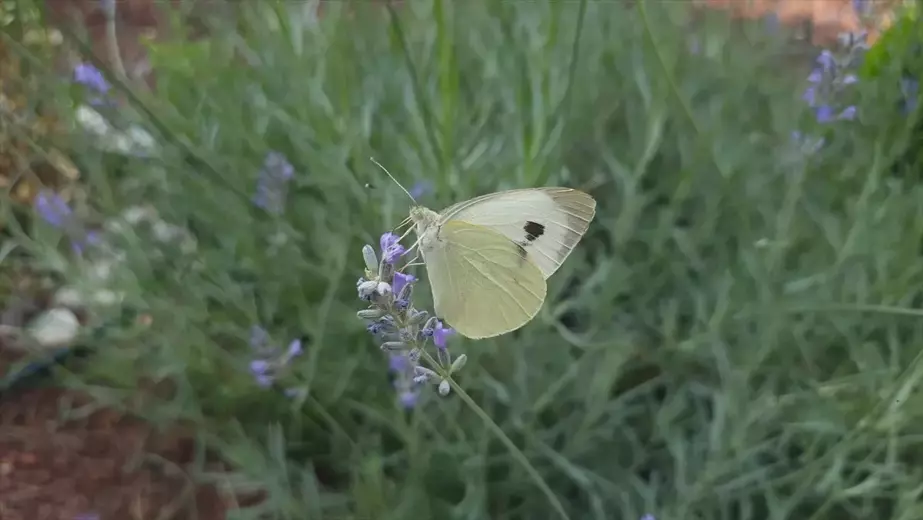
272, 183
53, 210
404, 331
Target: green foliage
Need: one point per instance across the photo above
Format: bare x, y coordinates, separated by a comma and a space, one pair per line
734, 339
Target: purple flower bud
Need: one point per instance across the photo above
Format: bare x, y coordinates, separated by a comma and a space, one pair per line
441, 335
848, 113
294, 348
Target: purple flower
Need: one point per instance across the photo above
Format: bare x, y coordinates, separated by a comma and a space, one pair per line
421, 188
398, 362
90, 77
391, 249
826, 61
816, 76
810, 95
408, 398
441, 335
91, 238
648, 516
294, 348
272, 183
401, 280
848, 113
53, 209
270, 360
259, 366
824, 114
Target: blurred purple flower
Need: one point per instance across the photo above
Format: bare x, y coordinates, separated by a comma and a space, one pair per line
270, 360
408, 398
272, 183
421, 188
848, 113
648, 516
90, 77
398, 362
294, 348
810, 95
53, 210
824, 114
826, 61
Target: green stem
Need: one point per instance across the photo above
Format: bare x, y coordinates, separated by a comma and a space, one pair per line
112, 40
510, 445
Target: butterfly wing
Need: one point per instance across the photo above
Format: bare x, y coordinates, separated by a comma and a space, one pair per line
483, 284
547, 222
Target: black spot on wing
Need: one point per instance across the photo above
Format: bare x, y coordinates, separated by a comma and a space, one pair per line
533, 230
523, 254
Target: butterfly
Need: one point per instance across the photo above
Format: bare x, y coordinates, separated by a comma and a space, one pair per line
487, 258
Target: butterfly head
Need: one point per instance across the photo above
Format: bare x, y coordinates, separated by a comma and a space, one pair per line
423, 219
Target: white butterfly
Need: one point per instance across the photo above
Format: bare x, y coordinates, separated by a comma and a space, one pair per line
487, 258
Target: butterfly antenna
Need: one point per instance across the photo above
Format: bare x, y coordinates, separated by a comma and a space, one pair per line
395, 180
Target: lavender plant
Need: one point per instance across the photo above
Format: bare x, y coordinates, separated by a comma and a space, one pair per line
270, 360
828, 82
56, 212
272, 183
404, 331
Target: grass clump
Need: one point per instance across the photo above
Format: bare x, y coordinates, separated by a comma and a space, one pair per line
736, 336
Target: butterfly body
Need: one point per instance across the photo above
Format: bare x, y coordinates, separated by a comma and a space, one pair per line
487, 258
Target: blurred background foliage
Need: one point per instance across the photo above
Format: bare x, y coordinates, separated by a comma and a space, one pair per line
737, 336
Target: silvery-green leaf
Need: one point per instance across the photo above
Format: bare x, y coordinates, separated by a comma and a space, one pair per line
458, 364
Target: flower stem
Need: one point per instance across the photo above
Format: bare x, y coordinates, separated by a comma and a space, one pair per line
112, 40
510, 445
